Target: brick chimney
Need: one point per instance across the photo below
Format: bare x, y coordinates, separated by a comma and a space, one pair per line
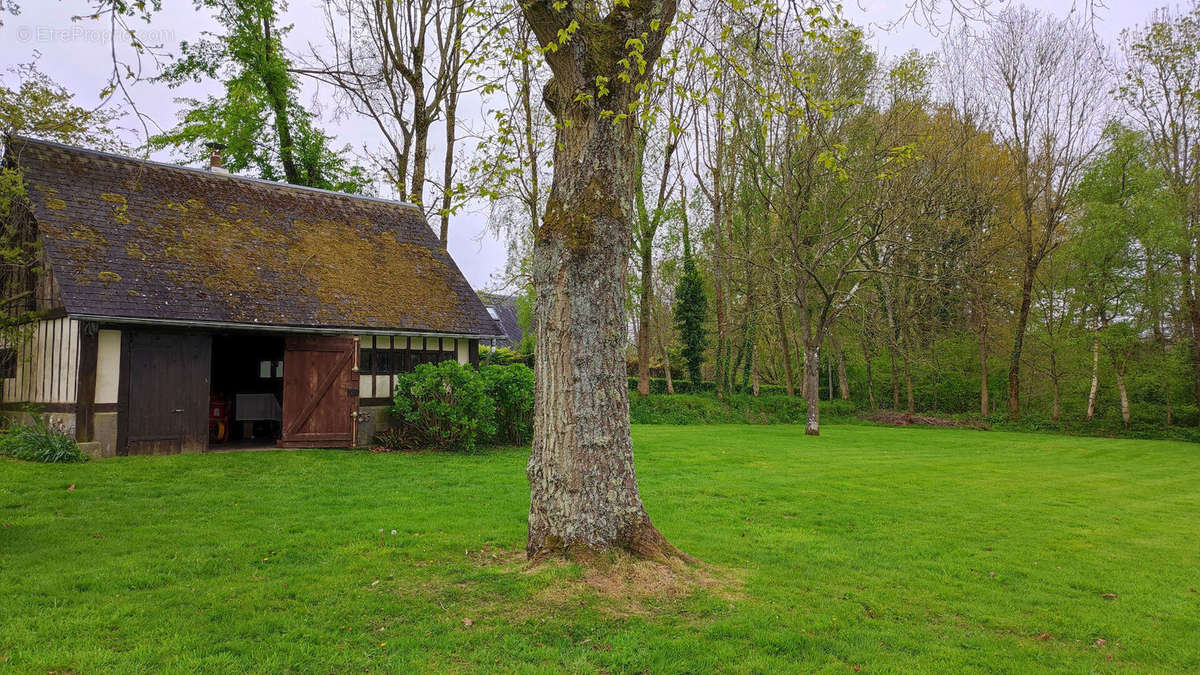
214, 157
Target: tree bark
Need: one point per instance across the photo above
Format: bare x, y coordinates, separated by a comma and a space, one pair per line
644, 311
448, 163
787, 347
1091, 406
895, 378
1124, 399
1014, 362
812, 387
1056, 403
870, 379
584, 496
277, 93
843, 381
983, 379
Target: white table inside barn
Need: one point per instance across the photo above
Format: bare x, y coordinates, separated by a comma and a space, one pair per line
251, 408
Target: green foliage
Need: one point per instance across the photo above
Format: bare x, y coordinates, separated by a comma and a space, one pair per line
39, 107
40, 441
691, 310
500, 356
525, 305
444, 406
773, 408
259, 118
456, 407
511, 390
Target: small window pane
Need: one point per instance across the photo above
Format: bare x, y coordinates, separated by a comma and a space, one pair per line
383, 362
366, 357
264, 369
279, 369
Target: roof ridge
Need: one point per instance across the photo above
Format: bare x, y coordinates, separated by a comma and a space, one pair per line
206, 172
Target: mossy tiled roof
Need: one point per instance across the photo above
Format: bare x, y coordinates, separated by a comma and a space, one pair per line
135, 239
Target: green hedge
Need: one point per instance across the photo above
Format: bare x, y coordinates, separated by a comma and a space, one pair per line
658, 385
732, 409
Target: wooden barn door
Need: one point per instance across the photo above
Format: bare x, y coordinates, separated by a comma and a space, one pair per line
165, 397
320, 392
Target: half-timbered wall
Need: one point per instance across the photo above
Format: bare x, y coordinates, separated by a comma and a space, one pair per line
46, 364
391, 354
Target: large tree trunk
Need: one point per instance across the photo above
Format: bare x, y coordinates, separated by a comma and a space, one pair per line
1014, 362
584, 496
812, 386
584, 493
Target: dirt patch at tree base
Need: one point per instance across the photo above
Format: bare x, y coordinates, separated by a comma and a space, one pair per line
618, 583
628, 586
907, 419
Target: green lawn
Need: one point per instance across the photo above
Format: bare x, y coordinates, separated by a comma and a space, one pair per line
893, 550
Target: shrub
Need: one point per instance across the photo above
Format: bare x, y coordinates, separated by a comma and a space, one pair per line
444, 406
502, 356
732, 409
40, 441
511, 390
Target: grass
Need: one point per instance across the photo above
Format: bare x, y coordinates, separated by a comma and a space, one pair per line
889, 550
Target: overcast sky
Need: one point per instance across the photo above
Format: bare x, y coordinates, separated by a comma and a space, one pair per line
76, 54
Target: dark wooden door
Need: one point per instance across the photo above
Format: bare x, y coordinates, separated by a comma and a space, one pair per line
320, 392
166, 400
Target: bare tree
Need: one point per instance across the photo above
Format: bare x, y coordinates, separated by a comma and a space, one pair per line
405, 66
1044, 80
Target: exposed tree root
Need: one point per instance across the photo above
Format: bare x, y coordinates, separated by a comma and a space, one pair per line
641, 541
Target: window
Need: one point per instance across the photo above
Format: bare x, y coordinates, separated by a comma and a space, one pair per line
492, 313
8, 363
366, 357
383, 362
268, 370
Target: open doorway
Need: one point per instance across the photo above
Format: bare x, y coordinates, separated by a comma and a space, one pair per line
245, 409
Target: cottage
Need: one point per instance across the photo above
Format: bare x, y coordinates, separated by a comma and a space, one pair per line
179, 309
